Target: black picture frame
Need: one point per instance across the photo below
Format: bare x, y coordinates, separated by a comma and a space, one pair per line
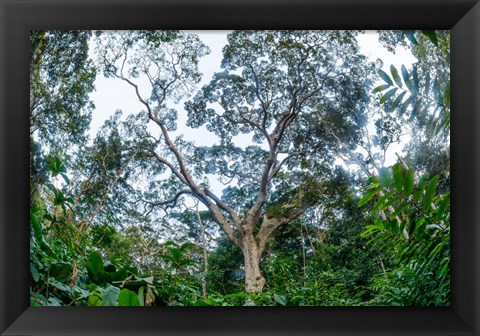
18, 17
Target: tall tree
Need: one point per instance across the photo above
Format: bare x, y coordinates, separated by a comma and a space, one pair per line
288, 90
61, 78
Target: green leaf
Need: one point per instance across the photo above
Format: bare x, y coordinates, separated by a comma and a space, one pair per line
415, 110
409, 182
187, 246
384, 177
37, 299
57, 284
55, 166
60, 271
405, 105
95, 269
385, 77
176, 255
111, 295
65, 178
430, 193
94, 300
280, 299
108, 266
411, 228
380, 88
398, 100
427, 84
381, 202
148, 280
443, 206
394, 226
391, 202
37, 227
396, 76
119, 275
128, 298
54, 302
34, 271
398, 210
398, 176
421, 187
436, 91
410, 34
80, 293
388, 95
406, 77
141, 295
368, 196
416, 82
431, 34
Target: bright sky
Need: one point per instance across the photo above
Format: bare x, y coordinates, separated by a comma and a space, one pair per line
113, 94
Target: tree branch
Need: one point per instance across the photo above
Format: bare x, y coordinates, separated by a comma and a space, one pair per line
226, 208
173, 200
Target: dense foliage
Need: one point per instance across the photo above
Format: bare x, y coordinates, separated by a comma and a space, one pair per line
308, 213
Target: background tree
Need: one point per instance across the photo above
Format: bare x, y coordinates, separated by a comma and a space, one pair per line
61, 78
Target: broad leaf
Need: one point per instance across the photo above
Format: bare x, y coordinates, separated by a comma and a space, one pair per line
141, 295
95, 269
34, 272
280, 299
94, 300
110, 296
60, 271
37, 227
128, 298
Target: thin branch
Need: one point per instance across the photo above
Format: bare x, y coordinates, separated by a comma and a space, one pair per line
172, 202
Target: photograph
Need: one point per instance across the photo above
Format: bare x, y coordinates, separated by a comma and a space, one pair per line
239, 168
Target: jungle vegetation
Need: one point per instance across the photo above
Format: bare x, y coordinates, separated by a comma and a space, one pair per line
308, 212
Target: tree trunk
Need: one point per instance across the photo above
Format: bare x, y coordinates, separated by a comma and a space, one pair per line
254, 280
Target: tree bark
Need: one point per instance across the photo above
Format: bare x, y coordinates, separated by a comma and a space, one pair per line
254, 280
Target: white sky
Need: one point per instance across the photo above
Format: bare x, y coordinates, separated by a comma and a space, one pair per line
113, 94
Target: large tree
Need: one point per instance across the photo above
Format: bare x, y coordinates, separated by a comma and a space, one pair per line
295, 93
61, 79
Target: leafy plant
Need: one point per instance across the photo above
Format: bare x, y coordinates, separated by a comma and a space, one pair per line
412, 222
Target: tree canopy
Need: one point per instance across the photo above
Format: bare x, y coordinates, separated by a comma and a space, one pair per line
306, 213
